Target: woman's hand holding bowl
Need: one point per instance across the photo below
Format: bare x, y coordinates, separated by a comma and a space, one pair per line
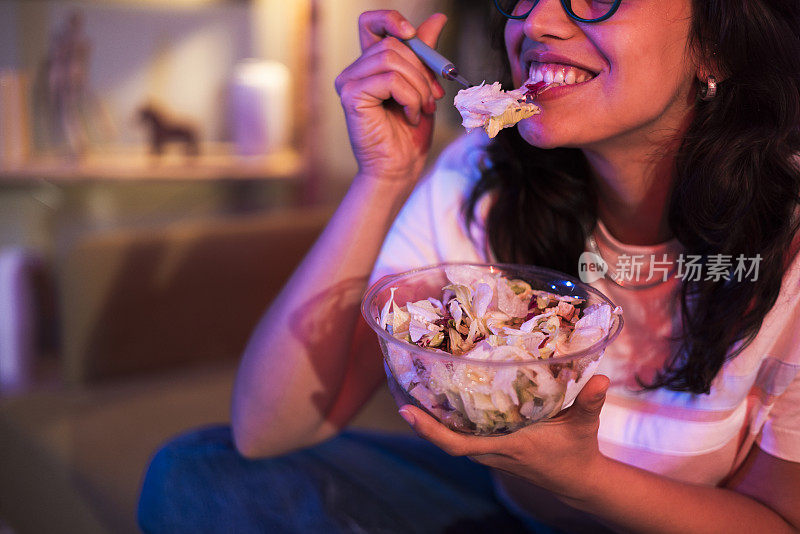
559, 454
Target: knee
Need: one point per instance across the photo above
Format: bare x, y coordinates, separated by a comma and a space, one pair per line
180, 477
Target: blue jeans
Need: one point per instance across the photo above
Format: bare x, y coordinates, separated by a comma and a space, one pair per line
357, 482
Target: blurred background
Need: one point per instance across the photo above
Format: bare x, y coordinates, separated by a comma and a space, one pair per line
164, 166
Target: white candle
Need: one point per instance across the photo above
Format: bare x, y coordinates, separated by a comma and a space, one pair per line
260, 113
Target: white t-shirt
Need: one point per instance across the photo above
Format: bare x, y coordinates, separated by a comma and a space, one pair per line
694, 438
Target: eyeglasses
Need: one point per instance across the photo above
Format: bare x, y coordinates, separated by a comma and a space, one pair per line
578, 10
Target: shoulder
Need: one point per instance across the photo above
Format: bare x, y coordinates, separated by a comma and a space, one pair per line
778, 380
790, 283
456, 170
791, 277
787, 305
464, 154
778, 338
443, 190
430, 227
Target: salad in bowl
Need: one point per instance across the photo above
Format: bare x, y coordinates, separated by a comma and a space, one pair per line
489, 349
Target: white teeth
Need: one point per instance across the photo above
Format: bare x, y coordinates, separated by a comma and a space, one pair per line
557, 73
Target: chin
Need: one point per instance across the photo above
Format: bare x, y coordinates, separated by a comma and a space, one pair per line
539, 136
548, 135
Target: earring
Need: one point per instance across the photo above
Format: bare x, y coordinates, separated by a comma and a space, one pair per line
709, 91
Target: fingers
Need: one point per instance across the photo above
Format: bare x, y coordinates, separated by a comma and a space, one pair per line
590, 400
375, 25
364, 93
383, 58
430, 30
397, 55
452, 443
380, 31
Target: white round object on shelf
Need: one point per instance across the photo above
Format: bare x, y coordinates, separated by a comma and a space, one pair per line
260, 107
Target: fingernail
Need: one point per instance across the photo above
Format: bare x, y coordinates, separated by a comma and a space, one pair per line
407, 28
431, 105
408, 416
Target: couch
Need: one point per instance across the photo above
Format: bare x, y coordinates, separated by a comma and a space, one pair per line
151, 323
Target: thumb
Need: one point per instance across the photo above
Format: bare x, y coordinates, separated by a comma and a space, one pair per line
430, 30
590, 400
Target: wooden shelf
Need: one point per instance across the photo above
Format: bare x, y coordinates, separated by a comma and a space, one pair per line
216, 162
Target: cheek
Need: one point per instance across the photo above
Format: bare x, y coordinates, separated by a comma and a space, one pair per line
513, 41
648, 88
649, 73
652, 62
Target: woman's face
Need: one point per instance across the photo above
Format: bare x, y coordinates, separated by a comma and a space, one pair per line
633, 74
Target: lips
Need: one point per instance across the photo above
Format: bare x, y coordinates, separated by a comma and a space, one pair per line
551, 67
557, 77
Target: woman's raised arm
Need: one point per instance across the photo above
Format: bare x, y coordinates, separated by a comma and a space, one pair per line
311, 364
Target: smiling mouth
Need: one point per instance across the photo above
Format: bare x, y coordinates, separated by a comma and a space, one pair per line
558, 73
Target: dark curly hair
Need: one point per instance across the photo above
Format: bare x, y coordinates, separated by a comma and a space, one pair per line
736, 184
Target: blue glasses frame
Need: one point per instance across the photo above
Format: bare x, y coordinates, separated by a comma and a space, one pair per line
566, 4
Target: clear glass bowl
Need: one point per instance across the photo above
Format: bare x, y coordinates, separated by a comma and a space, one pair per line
463, 393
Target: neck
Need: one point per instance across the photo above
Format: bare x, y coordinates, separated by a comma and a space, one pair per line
634, 184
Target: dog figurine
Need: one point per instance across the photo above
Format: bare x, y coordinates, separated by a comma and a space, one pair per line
163, 130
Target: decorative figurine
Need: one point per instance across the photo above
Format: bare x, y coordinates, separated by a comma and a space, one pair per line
66, 74
163, 130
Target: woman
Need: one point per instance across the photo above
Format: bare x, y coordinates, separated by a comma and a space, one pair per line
699, 429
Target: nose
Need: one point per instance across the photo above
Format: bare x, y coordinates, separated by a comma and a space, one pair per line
549, 19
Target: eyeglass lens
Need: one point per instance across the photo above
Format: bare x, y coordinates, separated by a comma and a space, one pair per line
583, 9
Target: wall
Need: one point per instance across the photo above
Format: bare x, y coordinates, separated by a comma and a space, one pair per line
181, 51
9, 49
177, 53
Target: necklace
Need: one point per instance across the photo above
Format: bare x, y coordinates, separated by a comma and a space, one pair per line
618, 280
